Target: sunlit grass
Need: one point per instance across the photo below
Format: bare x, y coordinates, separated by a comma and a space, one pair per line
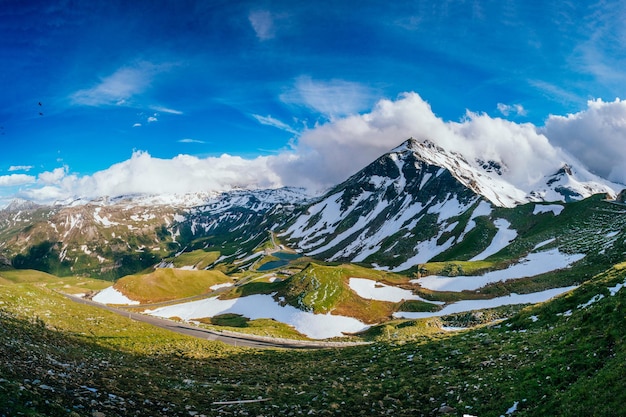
563, 357
199, 259
166, 284
259, 327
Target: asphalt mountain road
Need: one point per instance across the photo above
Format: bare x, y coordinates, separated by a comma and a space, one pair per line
235, 339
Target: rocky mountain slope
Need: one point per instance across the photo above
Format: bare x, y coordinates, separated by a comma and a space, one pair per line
417, 202
112, 237
469, 248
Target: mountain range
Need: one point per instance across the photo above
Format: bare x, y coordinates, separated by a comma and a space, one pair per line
417, 203
420, 243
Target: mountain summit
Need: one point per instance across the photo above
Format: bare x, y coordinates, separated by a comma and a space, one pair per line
490, 180
416, 202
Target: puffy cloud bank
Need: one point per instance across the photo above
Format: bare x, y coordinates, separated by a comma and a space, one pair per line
331, 152
143, 173
327, 154
597, 136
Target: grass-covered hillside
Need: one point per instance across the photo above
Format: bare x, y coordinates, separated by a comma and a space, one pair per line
165, 284
564, 358
91, 239
324, 288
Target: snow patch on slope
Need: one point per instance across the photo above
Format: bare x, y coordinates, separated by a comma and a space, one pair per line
372, 290
315, 326
102, 220
470, 305
501, 240
112, 296
556, 209
531, 265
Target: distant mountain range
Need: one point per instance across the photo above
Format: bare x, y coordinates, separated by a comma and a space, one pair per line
418, 243
415, 204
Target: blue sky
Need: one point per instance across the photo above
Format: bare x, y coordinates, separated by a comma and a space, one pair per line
130, 88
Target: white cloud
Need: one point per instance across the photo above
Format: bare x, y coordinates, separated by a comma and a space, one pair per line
327, 154
331, 152
119, 87
334, 98
20, 168
271, 121
189, 140
137, 125
52, 177
262, 22
511, 109
152, 119
526, 153
15, 180
166, 110
597, 136
144, 174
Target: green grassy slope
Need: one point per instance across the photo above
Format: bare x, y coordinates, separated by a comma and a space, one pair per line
323, 289
199, 259
561, 358
20, 276
68, 285
165, 284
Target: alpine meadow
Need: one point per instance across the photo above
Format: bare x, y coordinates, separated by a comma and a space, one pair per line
282, 208
434, 288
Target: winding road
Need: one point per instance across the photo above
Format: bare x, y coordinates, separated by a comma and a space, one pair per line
234, 339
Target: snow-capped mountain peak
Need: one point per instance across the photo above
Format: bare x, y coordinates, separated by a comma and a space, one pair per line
488, 178
486, 182
405, 208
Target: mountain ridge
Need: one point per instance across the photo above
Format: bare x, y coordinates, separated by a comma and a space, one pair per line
412, 204
562, 185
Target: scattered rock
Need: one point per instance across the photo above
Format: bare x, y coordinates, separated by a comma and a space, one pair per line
445, 409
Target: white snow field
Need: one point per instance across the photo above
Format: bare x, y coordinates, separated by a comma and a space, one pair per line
556, 209
218, 286
503, 237
372, 290
315, 326
470, 305
112, 296
533, 264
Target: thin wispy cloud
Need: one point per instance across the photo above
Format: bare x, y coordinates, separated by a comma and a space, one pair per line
189, 140
117, 88
271, 121
262, 22
555, 92
165, 110
20, 168
409, 22
605, 37
511, 109
334, 98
